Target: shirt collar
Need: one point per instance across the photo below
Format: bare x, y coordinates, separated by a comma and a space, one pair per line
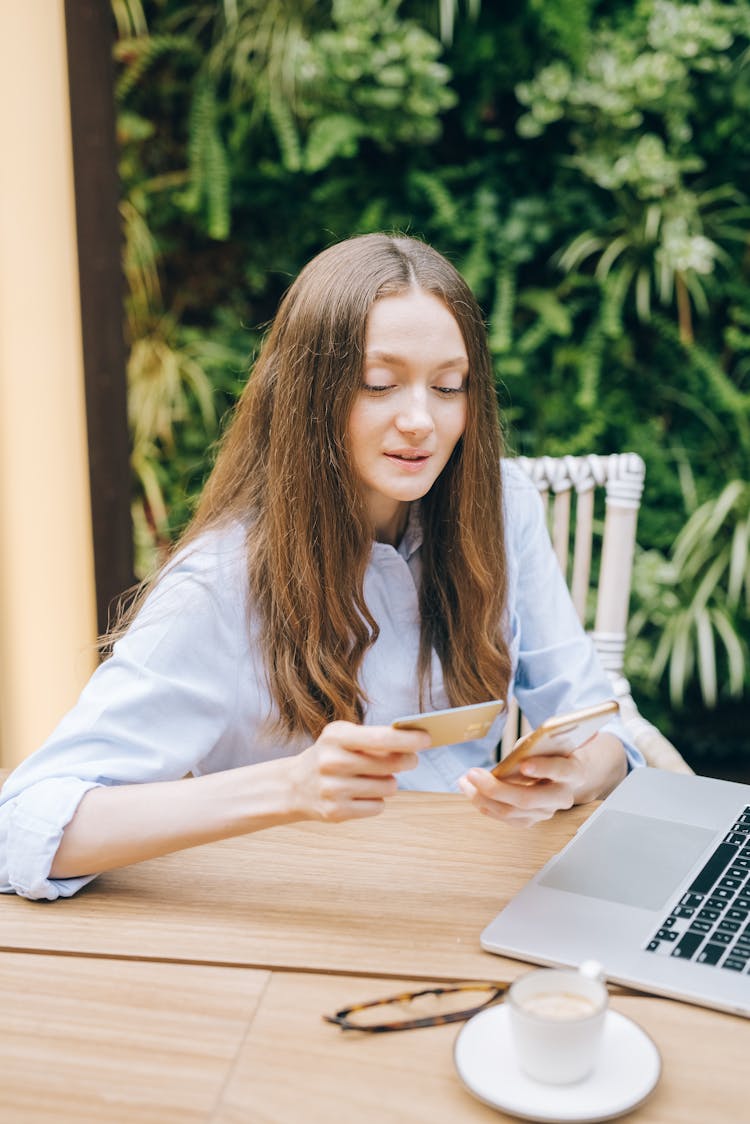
411, 540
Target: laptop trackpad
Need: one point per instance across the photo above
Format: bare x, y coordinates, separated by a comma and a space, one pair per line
635, 860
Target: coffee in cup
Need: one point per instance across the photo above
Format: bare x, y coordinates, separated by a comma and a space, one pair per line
559, 1005
557, 1022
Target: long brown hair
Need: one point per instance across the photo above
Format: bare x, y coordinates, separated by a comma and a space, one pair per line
284, 470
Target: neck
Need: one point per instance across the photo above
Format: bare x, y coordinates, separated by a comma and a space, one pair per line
389, 527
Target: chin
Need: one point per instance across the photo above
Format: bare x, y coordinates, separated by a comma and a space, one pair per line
410, 495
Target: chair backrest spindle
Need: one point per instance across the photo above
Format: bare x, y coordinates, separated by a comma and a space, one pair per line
582, 549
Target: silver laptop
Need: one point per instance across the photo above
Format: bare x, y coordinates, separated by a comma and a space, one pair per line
655, 885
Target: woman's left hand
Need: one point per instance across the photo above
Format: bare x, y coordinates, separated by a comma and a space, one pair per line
550, 783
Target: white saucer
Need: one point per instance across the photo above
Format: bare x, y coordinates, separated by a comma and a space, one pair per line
628, 1068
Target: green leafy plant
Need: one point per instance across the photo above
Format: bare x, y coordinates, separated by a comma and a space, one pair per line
165, 378
631, 112
697, 600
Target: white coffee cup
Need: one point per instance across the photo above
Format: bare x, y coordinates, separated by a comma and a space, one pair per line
557, 1022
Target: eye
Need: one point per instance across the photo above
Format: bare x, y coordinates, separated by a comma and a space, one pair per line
449, 391
376, 388
451, 384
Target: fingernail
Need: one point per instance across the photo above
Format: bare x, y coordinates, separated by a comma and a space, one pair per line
467, 788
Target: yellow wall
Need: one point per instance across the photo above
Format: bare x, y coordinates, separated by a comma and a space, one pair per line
47, 600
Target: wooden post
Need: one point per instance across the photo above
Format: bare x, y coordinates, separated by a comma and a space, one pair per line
48, 620
90, 38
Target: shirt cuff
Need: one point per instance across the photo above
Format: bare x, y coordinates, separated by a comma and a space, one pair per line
37, 821
635, 757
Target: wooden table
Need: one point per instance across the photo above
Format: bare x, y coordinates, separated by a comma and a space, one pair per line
191, 988
403, 894
119, 1041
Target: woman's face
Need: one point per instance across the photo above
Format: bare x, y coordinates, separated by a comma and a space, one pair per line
411, 408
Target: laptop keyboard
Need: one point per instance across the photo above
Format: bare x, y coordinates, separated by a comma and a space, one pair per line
711, 922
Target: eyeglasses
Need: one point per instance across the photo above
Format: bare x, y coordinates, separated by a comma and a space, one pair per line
432, 1007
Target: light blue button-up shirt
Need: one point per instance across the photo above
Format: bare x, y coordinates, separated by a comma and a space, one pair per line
185, 689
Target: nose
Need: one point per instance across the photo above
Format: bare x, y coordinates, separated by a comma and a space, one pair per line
414, 416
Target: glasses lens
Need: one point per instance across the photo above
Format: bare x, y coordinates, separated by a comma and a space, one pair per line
436, 1004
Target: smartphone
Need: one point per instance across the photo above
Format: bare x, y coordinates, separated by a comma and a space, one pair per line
457, 724
560, 735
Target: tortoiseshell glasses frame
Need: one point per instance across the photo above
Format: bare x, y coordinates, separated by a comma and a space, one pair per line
343, 1019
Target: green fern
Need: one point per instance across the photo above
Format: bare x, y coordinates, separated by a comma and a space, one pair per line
444, 205
335, 135
590, 370
501, 321
209, 169
286, 133
139, 53
728, 396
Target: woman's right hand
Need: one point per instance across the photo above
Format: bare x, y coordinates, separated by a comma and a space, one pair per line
350, 770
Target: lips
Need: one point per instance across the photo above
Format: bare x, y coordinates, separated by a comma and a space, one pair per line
411, 456
410, 462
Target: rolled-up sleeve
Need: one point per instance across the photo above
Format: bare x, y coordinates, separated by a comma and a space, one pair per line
149, 713
557, 667
31, 828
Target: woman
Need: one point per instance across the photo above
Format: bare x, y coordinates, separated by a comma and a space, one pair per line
357, 555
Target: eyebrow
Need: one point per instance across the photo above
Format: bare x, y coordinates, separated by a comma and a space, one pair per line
397, 361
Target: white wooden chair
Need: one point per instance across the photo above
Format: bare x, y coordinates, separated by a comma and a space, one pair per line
622, 476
